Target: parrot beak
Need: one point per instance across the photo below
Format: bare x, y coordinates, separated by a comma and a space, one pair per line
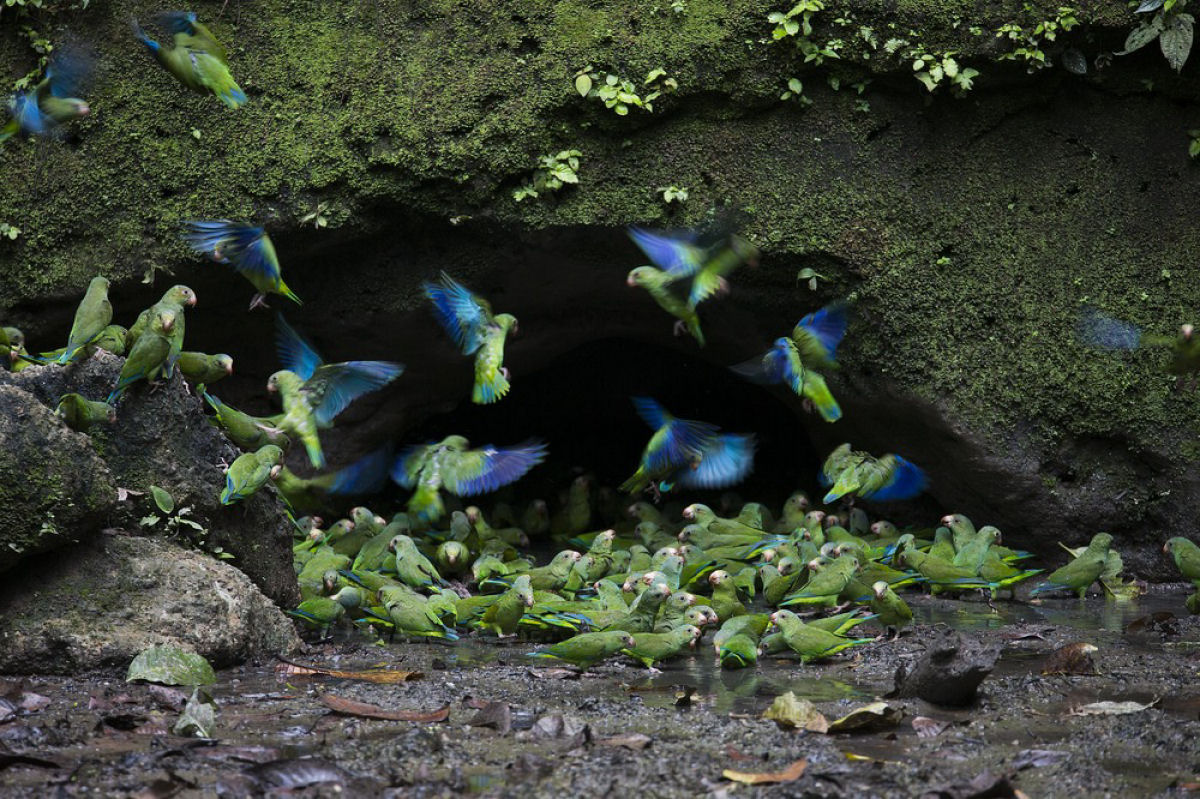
529, 602
192, 300
630, 280
270, 387
948, 519
275, 470
1167, 547
349, 525
229, 368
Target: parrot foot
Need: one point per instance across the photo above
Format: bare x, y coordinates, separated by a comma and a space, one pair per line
258, 301
223, 465
504, 372
680, 328
652, 671
275, 431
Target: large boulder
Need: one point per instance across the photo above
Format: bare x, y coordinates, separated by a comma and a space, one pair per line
161, 438
99, 603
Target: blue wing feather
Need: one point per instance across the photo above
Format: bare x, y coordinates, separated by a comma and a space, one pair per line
726, 460
651, 412
828, 326
499, 467
907, 481
1101, 330
459, 312
367, 475
241, 246
295, 352
783, 365
677, 255
347, 382
404, 462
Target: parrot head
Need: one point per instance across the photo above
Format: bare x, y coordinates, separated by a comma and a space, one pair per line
879, 589
1185, 331
226, 361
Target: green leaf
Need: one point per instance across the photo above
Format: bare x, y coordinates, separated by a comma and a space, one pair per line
162, 499
791, 26
149, 521
1142, 35
1176, 41
169, 664
796, 86
654, 73
929, 82
583, 85
1194, 148
611, 80
1148, 5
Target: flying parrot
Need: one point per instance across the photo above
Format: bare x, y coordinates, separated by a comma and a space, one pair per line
92, 318
464, 472
1100, 330
196, 58
681, 257
314, 392
890, 477
50, 104
247, 249
467, 318
688, 453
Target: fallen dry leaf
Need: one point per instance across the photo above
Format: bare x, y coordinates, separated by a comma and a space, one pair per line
286, 668
1111, 708
790, 711
926, 727
497, 715
1074, 658
733, 752
554, 674
873, 716
789, 774
349, 707
634, 741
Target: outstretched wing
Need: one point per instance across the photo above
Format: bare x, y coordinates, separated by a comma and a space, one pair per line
247, 249
825, 328
295, 352
677, 255
726, 460
367, 475
478, 471
334, 386
407, 468
1101, 330
676, 441
905, 480
464, 316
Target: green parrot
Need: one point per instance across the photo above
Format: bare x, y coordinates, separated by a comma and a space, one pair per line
413, 568
93, 315
245, 431
975, 551
503, 615
410, 614
736, 643
792, 515
199, 368
80, 414
652, 648
672, 612
576, 514
467, 318
890, 477
680, 257
374, 555
587, 649
1079, 574
323, 612
249, 472
196, 59
643, 611
891, 611
174, 301
450, 464
535, 520
725, 600
491, 376
314, 392
247, 249
940, 575
657, 283
1186, 556
1193, 603
452, 557
779, 580
825, 583
148, 357
1101, 330
1001, 575
50, 104
811, 643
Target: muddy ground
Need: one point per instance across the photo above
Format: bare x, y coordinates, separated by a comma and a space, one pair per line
1026, 732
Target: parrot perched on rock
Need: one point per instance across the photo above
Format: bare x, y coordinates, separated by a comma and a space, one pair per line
464, 472
80, 414
687, 453
468, 320
246, 431
247, 249
196, 59
587, 649
314, 392
249, 472
201, 368
148, 357
111, 339
92, 318
174, 301
1080, 573
890, 477
1100, 330
50, 104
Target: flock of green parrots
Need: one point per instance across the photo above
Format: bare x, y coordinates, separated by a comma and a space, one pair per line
647, 588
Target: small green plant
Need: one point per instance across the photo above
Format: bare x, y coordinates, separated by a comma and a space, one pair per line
1169, 25
553, 172
796, 24
1193, 143
811, 275
679, 6
8, 231
620, 94
934, 70
1028, 40
176, 520
319, 218
673, 194
795, 91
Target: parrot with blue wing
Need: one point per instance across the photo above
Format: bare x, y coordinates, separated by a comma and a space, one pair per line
247, 249
51, 103
850, 472
1101, 330
314, 392
196, 58
467, 318
464, 472
250, 472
